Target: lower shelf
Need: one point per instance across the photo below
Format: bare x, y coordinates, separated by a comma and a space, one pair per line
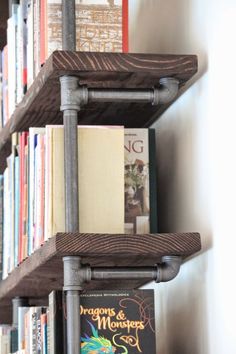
42, 272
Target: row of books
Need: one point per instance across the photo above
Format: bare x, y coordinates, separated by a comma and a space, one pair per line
34, 31
111, 321
116, 171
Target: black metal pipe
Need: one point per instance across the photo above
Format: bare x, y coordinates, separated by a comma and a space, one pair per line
18, 302
163, 272
120, 95
68, 25
73, 283
71, 171
100, 273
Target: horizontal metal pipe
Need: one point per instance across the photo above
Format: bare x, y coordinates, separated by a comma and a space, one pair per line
100, 273
163, 272
120, 95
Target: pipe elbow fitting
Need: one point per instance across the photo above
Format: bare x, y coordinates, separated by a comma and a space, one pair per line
168, 269
167, 92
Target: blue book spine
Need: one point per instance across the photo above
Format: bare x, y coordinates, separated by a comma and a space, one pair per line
17, 202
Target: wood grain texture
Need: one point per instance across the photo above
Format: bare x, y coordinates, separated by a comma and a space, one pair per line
43, 271
41, 104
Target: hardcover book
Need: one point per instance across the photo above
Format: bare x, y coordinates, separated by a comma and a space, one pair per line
118, 322
140, 204
100, 180
101, 26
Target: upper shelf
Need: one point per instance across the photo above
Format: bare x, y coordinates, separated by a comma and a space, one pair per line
41, 104
43, 271
3, 23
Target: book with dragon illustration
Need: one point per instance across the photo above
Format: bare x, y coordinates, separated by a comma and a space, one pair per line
120, 322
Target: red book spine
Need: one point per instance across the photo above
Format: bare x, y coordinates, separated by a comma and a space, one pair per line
125, 26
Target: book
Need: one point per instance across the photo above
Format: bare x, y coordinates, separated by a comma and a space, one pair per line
33, 132
55, 321
44, 335
22, 311
5, 339
112, 321
101, 26
6, 222
1, 89
16, 209
120, 321
5, 96
1, 225
101, 180
38, 202
23, 196
140, 207
12, 41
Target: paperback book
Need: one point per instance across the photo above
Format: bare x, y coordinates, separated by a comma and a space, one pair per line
118, 322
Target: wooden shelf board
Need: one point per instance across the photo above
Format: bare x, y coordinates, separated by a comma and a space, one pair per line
41, 103
42, 272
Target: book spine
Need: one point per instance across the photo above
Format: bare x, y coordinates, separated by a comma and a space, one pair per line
56, 322
11, 38
42, 32
19, 54
23, 195
5, 86
30, 43
153, 182
22, 311
137, 203
5, 223
1, 224
125, 26
43, 319
17, 208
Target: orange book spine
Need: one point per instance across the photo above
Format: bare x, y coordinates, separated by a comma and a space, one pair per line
125, 26
23, 142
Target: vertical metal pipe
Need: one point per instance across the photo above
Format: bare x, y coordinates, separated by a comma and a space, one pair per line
71, 181
71, 170
73, 321
72, 286
68, 25
17, 302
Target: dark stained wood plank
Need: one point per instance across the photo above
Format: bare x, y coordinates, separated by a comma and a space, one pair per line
3, 22
43, 271
41, 104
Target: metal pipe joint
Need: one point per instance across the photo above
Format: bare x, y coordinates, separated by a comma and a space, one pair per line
74, 96
168, 269
75, 275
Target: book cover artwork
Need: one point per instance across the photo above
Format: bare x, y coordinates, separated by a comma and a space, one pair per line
98, 25
137, 204
119, 322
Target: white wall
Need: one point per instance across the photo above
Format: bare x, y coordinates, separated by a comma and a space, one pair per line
196, 148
